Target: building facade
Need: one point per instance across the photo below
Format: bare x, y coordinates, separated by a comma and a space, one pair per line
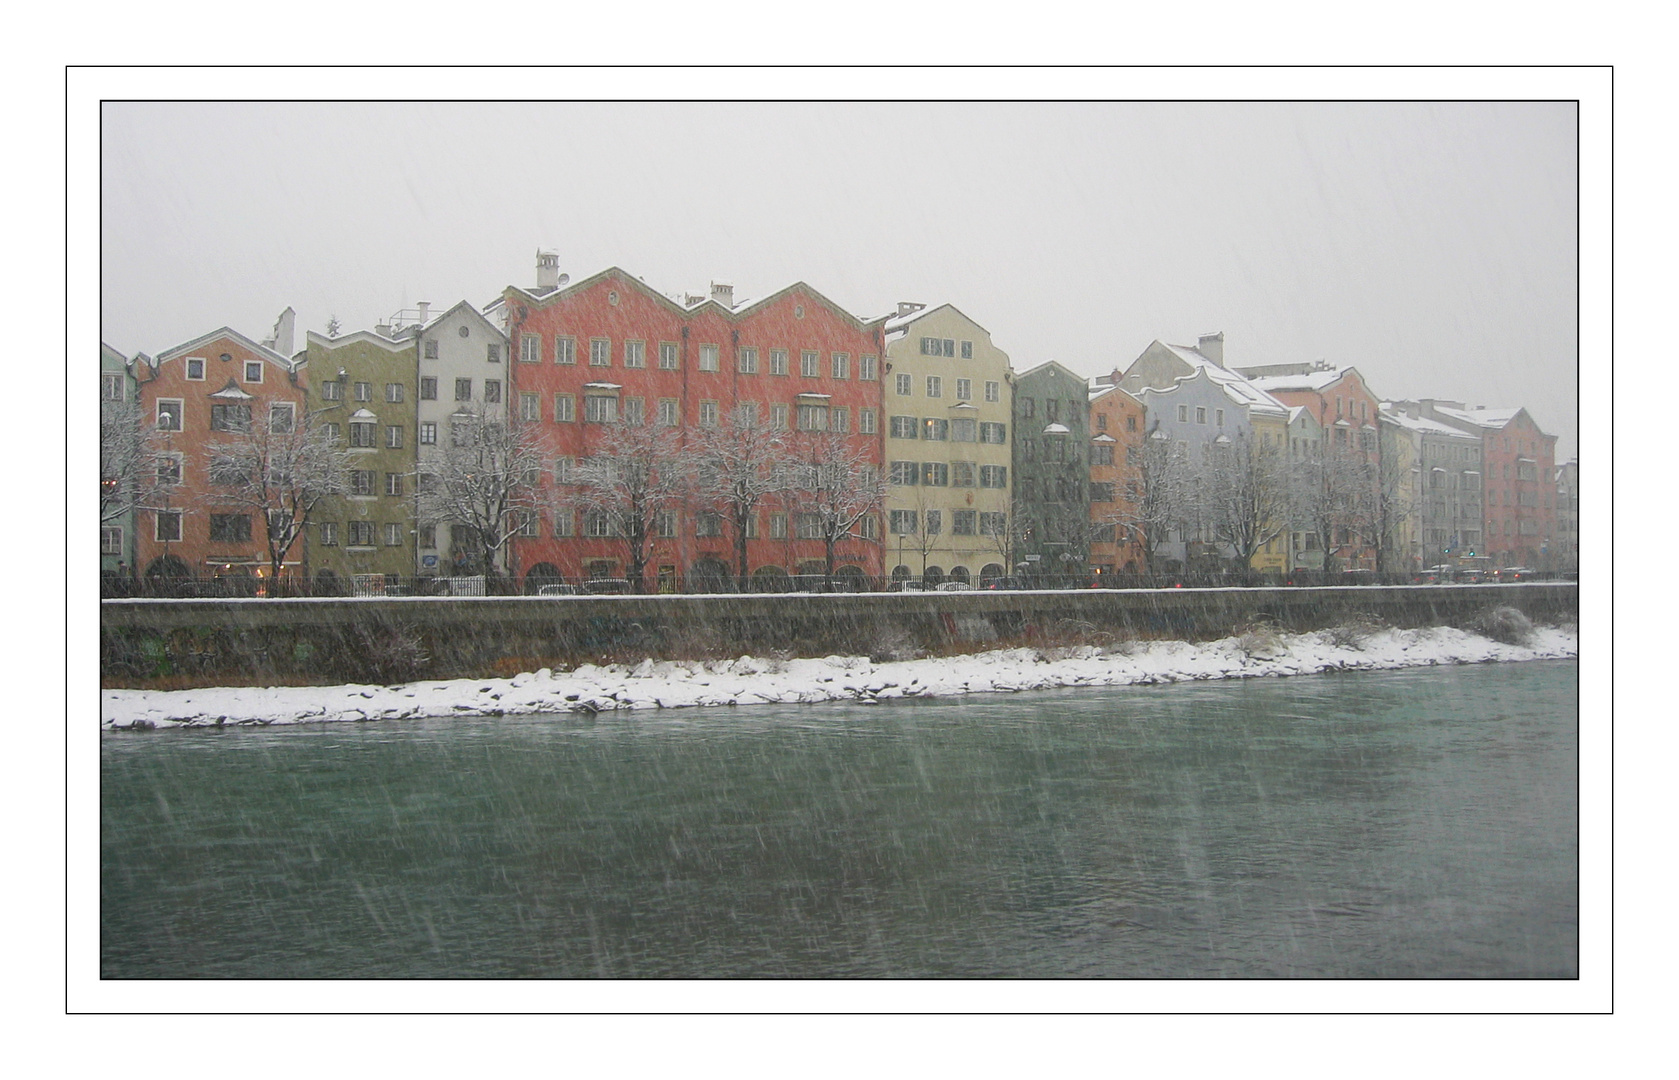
1118, 423
118, 390
1051, 534
362, 388
947, 408
206, 392
1441, 468
610, 349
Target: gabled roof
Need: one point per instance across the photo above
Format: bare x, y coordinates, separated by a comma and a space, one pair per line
894, 323
1495, 419
544, 297
1241, 390
358, 337
1315, 381
225, 332
1054, 364
478, 315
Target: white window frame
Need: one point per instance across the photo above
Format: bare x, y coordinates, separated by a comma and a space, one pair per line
158, 517
565, 408
710, 357
669, 356
530, 405
778, 361
565, 349
635, 354
600, 352
810, 364
253, 366
530, 348
178, 413
203, 365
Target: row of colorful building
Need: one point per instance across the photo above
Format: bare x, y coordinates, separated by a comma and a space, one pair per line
987, 471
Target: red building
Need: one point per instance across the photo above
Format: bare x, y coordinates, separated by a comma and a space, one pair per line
1519, 482
610, 347
200, 393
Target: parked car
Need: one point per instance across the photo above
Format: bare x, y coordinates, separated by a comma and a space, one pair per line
954, 586
1517, 573
910, 585
558, 590
1470, 577
1434, 575
606, 585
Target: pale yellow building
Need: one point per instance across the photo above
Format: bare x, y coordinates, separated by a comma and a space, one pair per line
945, 422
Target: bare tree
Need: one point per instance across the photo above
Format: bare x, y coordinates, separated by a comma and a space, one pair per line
1331, 496
1247, 495
131, 474
738, 467
484, 482
635, 475
278, 468
1161, 500
837, 488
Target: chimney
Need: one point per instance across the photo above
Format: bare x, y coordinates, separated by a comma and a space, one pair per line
1212, 347
723, 294
908, 307
425, 311
547, 269
284, 327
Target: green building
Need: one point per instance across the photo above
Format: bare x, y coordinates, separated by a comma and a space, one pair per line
1051, 535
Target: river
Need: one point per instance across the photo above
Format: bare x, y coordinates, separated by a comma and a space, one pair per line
1415, 823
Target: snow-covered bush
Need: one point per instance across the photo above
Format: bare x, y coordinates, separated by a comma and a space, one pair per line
1261, 638
1355, 631
1505, 624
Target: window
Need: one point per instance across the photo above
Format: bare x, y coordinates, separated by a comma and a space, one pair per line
808, 526
428, 434
813, 418
333, 390
746, 414
866, 421
993, 476
393, 483
1130, 423
808, 362
708, 414
902, 522
195, 368
935, 474
778, 361
933, 522
1200, 415
253, 371
169, 469
748, 363
361, 482
230, 528
635, 411
964, 388
778, 417
1102, 454
529, 523
1183, 414
841, 366
708, 525
280, 418
492, 352
361, 534
904, 385
993, 524
1055, 448
1218, 417
564, 523
839, 420
362, 434
565, 349
996, 434
667, 412
600, 352
463, 389
428, 536
635, 354
393, 392
1028, 407
1052, 410
778, 526
964, 522
903, 473
596, 523
708, 358
1101, 491
329, 533
667, 356
492, 391
364, 391
935, 428
964, 430
938, 346
905, 427
600, 409
166, 525
393, 437
868, 367
565, 408
1028, 449
962, 474
230, 418
431, 350
993, 391
428, 388
935, 386
334, 433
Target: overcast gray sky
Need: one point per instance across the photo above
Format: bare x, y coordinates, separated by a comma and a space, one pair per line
1431, 245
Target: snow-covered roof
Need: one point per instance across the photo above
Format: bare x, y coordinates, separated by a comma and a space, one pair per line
362, 414
232, 392
1311, 380
1493, 418
1241, 390
1058, 429
1104, 439
1423, 426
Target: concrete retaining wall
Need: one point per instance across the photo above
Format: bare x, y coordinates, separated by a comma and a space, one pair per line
231, 642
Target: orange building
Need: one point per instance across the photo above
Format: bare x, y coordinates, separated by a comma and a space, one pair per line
198, 393
1116, 434
610, 347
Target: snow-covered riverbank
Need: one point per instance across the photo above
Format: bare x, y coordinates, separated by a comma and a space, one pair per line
663, 684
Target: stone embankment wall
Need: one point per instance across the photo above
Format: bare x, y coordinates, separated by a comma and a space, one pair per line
232, 642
